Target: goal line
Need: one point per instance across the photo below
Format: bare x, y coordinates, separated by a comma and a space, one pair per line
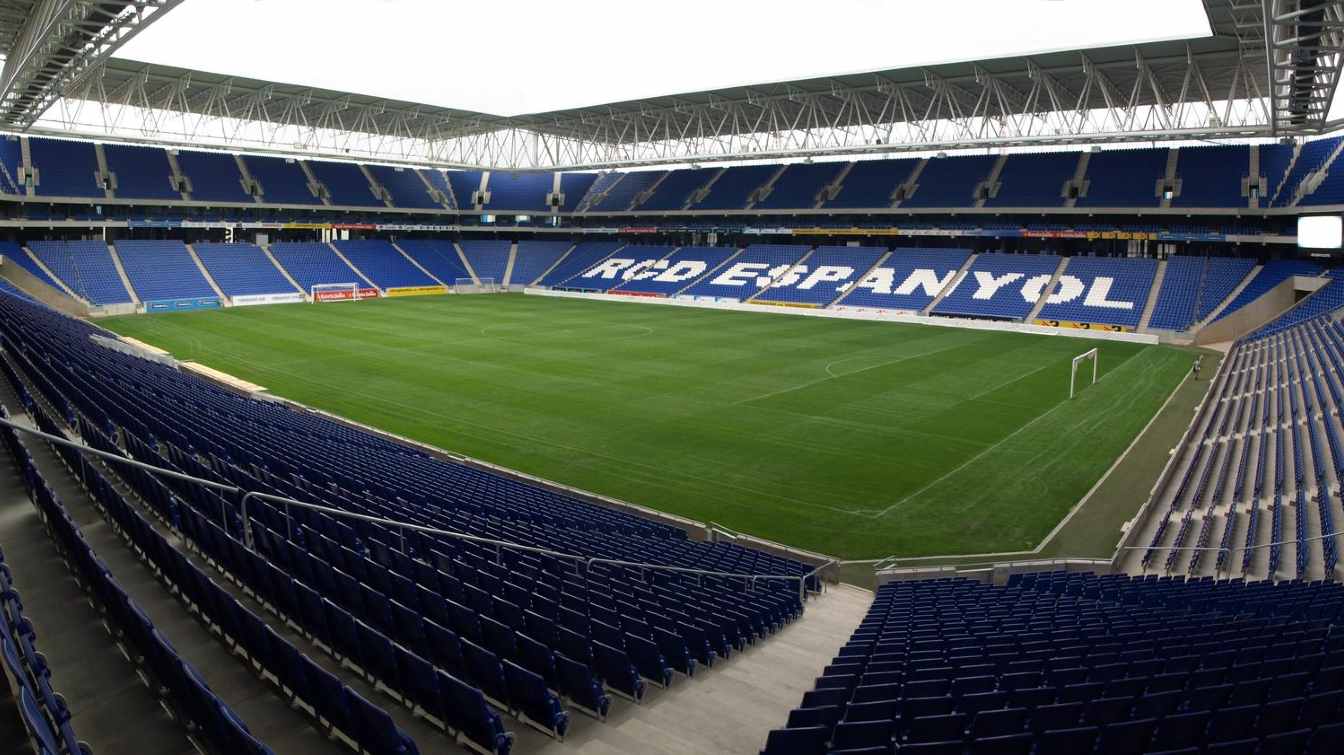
470, 286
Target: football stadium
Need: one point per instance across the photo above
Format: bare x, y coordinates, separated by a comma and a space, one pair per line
372, 391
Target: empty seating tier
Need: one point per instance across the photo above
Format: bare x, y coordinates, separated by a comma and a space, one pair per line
1101, 290
140, 172
909, 279
680, 270
85, 267
242, 270
381, 263
162, 271
440, 258
827, 273
534, 258
213, 177
488, 257
1000, 286
346, 183
749, 272
282, 180
65, 168
583, 256
313, 264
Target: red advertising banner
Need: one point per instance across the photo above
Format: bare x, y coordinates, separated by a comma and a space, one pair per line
345, 294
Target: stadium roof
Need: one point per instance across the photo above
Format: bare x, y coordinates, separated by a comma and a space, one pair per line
1269, 69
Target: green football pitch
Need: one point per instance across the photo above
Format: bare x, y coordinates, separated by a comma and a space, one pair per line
854, 438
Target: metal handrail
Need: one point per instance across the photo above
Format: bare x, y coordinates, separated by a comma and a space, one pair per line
249, 542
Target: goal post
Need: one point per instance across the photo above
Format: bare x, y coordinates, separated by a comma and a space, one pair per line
327, 292
471, 286
1092, 354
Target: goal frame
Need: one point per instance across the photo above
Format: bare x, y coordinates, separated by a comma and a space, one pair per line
353, 288
471, 286
1095, 355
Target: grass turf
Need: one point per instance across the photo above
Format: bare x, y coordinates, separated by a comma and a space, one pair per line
854, 438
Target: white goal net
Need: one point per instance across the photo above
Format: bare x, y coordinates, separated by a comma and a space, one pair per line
470, 286
327, 292
1082, 360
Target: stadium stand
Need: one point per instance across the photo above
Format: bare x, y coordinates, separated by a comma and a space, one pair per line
1328, 298
828, 272
1274, 159
65, 168
405, 187
1000, 286
584, 255
1312, 156
1220, 278
1062, 663
684, 267
1178, 298
519, 191
620, 193
732, 190
950, 182
382, 263
313, 264
345, 183
12, 252
463, 184
1101, 290
140, 172
1034, 180
1214, 176
282, 180
440, 258
534, 258
432, 617
677, 189
242, 270
799, 186
85, 267
214, 177
909, 279
162, 270
11, 159
439, 181
575, 186
1124, 178
1271, 275
749, 272
871, 183
630, 264
1330, 190
488, 257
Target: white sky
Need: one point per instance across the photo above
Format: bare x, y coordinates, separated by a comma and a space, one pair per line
510, 57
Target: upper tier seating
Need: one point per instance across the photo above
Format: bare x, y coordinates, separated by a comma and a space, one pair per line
950, 182
1102, 290
214, 177
683, 267
346, 183
1310, 159
162, 270
313, 264
1271, 275
599, 187
630, 264
439, 181
534, 258
65, 168
584, 255
85, 267
677, 189
1069, 663
574, 186
488, 257
381, 263
463, 184
282, 180
1124, 178
141, 172
1001, 286
519, 191
735, 186
624, 189
1034, 180
11, 159
909, 279
749, 272
242, 269
799, 185
870, 183
406, 187
13, 253
1211, 176
440, 258
827, 273
1274, 159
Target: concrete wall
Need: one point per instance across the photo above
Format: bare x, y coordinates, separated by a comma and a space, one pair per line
29, 284
1275, 302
